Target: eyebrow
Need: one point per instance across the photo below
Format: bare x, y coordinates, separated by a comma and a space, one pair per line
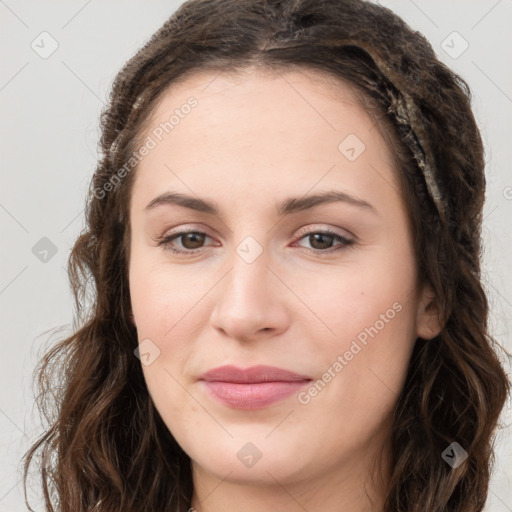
291, 205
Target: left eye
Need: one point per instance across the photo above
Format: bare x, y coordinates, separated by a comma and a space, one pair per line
192, 241
323, 241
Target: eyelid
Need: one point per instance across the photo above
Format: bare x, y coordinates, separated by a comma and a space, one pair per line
304, 230
314, 228
185, 228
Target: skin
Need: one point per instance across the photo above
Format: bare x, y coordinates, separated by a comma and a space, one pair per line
254, 139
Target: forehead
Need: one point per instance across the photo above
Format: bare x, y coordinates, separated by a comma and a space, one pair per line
252, 126
295, 85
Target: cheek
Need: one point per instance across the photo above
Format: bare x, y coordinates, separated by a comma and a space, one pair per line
167, 305
364, 354
171, 306
349, 299
163, 295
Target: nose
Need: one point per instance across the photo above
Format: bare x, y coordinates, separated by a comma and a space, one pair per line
251, 301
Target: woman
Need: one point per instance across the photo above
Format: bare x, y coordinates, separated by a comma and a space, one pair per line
284, 237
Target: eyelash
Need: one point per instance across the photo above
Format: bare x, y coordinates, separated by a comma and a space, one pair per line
345, 242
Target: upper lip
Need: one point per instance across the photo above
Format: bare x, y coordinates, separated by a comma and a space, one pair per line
253, 374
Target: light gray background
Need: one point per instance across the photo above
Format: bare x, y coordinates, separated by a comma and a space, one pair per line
49, 131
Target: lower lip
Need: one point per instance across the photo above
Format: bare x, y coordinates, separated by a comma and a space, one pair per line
253, 395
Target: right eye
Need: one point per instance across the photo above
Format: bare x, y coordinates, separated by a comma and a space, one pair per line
191, 241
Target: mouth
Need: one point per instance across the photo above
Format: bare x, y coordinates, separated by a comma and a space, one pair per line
252, 388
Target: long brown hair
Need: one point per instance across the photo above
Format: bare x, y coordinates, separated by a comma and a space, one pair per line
106, 447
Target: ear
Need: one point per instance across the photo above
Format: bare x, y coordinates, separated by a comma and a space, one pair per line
132, 318
428, 320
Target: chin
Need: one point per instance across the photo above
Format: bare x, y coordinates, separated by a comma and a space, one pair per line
249, 462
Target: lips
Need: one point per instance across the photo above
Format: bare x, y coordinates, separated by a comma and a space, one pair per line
252, 388
251, 375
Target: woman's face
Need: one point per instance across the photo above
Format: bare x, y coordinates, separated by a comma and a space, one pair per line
302, 261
